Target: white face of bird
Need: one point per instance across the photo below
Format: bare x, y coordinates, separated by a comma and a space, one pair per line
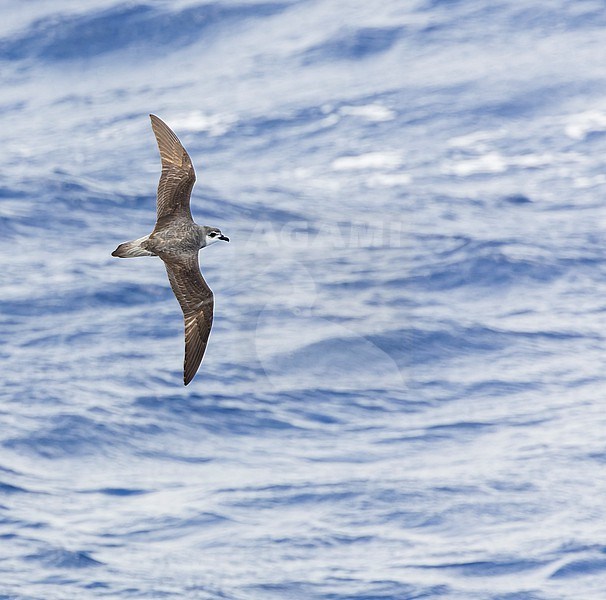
213, 234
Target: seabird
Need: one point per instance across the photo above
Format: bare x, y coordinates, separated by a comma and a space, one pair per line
176, 239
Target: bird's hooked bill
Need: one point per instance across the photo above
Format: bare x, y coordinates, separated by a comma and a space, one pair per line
224, 238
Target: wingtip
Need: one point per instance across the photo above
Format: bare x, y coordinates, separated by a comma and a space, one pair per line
155, 118
188, 377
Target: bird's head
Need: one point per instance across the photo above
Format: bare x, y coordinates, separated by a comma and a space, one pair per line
213, 234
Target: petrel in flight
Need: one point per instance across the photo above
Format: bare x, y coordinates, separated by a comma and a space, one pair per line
176, 239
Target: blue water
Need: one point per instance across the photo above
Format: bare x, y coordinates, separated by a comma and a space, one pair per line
404, 391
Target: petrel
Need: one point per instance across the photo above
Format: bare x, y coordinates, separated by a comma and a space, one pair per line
176, 239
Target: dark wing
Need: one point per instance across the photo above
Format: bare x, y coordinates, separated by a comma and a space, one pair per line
178, 176
196, 300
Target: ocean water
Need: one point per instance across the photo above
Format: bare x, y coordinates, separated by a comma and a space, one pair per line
404, 393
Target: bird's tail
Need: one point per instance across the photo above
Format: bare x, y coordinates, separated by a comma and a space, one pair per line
132, 249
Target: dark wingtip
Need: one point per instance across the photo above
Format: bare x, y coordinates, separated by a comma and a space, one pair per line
187, 377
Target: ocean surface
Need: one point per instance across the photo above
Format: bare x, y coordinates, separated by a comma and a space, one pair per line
404, 393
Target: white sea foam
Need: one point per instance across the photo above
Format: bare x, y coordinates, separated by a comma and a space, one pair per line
589, 182
582, 124
370, 160
389, 179
371, 112
495, 162
475, 139
214, 124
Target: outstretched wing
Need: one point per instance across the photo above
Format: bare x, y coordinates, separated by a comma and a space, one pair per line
178, 176
196, 300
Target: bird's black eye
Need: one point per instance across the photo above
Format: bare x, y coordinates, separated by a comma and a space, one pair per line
213, 234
